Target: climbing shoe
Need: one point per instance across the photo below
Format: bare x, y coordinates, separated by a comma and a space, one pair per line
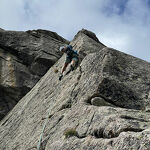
60, 77
72, 68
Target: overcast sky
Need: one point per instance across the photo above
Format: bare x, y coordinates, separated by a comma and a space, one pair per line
120, 24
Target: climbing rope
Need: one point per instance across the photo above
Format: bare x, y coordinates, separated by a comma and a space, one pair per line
41, 136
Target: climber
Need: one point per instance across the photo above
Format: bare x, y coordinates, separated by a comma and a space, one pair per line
71, 57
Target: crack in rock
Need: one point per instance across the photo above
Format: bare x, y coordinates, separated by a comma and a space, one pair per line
100, 133
90, 123
78, 79
133, 118
68, 104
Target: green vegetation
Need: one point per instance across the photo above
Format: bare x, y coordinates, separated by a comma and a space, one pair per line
70, 132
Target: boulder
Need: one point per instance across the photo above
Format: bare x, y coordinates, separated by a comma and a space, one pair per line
99, 101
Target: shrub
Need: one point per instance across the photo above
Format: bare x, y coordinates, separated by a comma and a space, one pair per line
70, 132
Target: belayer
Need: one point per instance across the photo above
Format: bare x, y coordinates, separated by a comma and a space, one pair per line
71, 57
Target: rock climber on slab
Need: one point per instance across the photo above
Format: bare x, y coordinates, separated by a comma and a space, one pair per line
71, 57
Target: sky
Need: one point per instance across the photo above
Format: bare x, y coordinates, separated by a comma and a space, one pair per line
121, 24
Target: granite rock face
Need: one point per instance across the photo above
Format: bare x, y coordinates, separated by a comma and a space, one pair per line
102, 105
1, 29
24, 58
86, 42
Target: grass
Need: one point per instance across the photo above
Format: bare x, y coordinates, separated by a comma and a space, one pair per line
70, 132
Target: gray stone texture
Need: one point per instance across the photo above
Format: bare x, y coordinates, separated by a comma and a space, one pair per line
120, 121
24, 58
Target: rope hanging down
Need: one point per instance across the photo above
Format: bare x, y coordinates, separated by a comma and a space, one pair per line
41, 136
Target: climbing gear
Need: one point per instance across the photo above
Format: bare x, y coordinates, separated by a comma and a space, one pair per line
41, 136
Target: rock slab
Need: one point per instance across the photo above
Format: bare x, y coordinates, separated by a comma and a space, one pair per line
24, 58
120, 122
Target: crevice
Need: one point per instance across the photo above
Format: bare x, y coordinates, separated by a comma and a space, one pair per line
133, 118
8, 74
20, 62
26, 59
50, 116
79, 77
51, 54
60, 118
5, 120
131, 130
105, 54
67, 105
113, 104
73, 88
100, 133
9, 49
3, 58
73, 93
90, 122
